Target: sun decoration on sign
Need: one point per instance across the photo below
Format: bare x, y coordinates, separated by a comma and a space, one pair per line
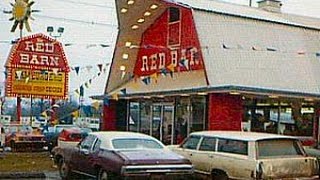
21, 13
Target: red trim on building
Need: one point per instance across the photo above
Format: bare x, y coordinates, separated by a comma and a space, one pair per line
109, 116
225, 112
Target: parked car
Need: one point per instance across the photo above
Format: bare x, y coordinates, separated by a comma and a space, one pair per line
247, 155
121, 154
21, 137
51, 134
71, 137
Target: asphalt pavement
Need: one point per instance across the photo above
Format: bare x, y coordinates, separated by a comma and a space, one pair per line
31, 175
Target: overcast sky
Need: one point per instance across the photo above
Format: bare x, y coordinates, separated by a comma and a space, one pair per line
90, 23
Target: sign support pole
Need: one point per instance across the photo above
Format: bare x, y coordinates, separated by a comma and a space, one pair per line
18, 97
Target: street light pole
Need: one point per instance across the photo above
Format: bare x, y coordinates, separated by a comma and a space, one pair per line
50, 30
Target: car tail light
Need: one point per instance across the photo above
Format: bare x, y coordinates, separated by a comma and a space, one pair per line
71, 137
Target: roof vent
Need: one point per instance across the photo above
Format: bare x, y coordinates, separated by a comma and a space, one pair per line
270, 5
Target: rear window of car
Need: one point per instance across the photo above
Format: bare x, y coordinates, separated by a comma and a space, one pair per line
233, 146
136, 144
278, 147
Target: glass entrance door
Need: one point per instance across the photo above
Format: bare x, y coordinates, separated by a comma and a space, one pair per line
162, 122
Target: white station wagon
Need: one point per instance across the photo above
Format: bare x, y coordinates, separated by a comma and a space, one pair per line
247, 155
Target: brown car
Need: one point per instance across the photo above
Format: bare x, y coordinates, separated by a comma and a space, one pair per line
104, 155
21, 137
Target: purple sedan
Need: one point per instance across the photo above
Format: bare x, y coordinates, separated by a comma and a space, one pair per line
113, 154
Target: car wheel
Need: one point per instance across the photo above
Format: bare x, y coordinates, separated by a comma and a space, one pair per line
64, 169
219, 175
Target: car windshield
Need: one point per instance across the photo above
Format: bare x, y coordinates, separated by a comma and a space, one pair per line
136, 144
278, 147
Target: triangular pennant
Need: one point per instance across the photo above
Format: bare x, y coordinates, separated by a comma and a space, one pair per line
106, 101
164, 71
123, 91
115, 96
81, 90
184, 63
100, 67
86, 84
171, 74
44, 114
154, 76
224, 46
77, 69
181, 62
96, 105
171, 67
75, 113
99, 73
146, 80
89, 68
77, 92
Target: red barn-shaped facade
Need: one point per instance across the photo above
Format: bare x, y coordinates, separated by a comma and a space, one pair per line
184, 66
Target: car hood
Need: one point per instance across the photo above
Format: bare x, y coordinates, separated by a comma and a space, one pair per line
152, 156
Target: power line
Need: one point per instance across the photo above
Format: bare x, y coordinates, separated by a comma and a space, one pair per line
87, 4
76, 20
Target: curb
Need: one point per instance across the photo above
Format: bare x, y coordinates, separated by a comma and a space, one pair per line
20, 175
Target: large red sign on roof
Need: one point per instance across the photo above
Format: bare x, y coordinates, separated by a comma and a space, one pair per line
170, 44
37, 67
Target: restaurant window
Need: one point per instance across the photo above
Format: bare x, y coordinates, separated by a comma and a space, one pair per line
133, 121
182, 119
289, 118
197, 121
145, 120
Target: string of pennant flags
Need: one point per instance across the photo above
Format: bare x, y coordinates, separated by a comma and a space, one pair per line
102, 70
87, 45
267, 49
102, 67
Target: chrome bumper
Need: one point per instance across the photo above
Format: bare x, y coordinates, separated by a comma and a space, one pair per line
146, 170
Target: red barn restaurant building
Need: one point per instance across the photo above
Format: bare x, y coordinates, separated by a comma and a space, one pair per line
183, 66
